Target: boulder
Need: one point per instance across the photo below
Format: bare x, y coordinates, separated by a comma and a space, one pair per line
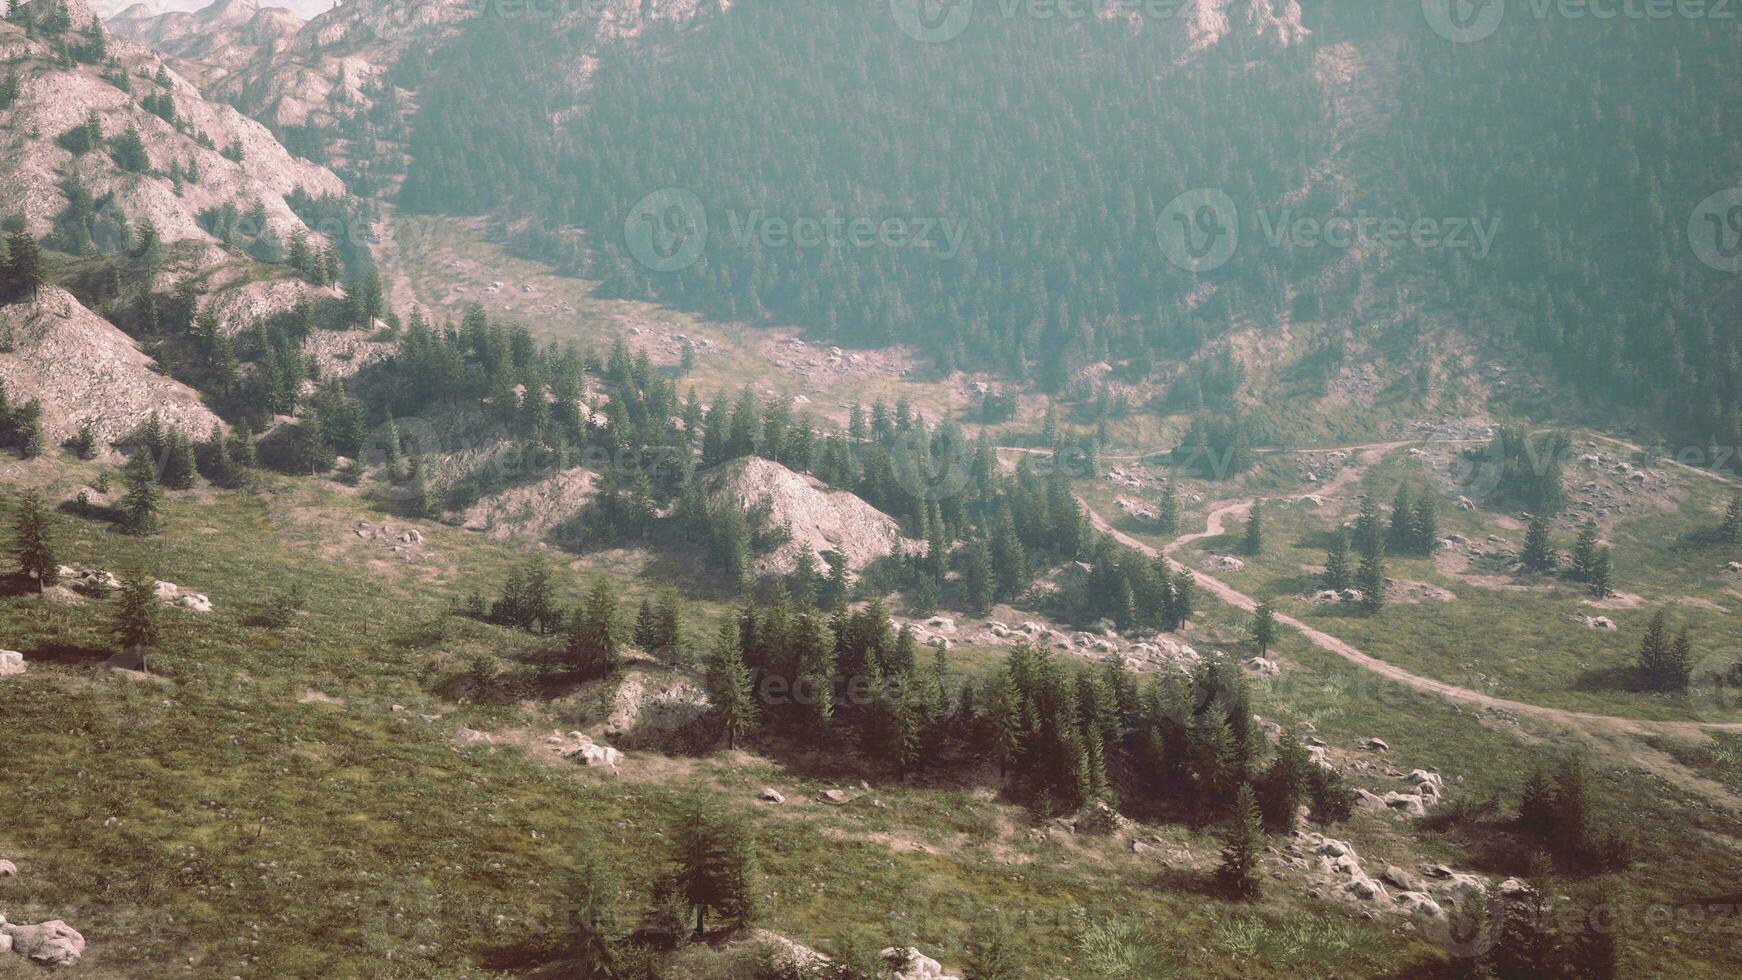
1513, 888
1408, 803
8, 869
52, 943
1369, 799
1364, 888
837, 797
1376, 744
1421, 907
1402, 879
11, 663
1228, 563
911, 964
1603, 623
194, 603
1735, 567
1460, 889
1264, 667
771, 795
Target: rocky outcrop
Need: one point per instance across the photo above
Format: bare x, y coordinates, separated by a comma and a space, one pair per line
237, 160
821, 519
83, 368
213, 41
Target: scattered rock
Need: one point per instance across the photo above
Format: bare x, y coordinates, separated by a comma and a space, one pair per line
1403, 879
1599, 623
52, 943
11, 663
837, 797
911, 964
771, 795
1228, 563
1376, 744
8, 869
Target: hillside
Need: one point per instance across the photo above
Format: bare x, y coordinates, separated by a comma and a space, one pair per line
83, 134
210, 42
83, 369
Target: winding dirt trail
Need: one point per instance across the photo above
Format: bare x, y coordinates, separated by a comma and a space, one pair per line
1216, 524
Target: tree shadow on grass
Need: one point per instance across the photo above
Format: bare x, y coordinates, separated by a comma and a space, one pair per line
69, 655
93, 512
1609, 679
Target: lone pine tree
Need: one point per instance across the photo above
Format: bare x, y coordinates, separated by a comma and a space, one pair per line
36, 561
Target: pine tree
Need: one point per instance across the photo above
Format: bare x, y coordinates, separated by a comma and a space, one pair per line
1601, 574
592, 640
729, 688
1426, 528
1167, 519
595, 925
1369, 530
24, 268
1338, 573
1402, 534
180, 468
36, 561
1242, 847
1731, 532
141, 510
423, 497
1539, 554
136, 616
1536, 807
669, 617
646, 627
979, 581
1654, 651
1264, 629
1286, 783
29, 425
1585, 552
84, 442
1253, 543
714, 864
1370, 579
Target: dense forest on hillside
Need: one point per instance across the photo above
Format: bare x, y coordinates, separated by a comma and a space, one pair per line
1055, 163
1597, 165
1056, 144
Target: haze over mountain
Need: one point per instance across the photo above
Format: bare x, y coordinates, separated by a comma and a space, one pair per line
911, 490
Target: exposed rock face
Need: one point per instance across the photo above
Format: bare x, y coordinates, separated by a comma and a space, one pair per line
54, 99
213, 41
821, 519
82, 367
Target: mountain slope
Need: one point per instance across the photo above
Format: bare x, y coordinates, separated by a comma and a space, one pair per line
66, 139
211, 42
83, 368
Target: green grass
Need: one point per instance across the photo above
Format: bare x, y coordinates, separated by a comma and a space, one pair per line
170, 818
1522, 642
